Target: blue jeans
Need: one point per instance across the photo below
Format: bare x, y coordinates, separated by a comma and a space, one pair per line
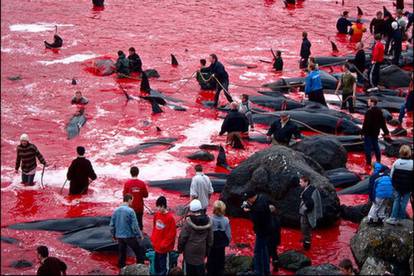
399, 206
371, 143
28, 179
261, 256
402, 113
160, 264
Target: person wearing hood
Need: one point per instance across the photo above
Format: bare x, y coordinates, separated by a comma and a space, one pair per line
377, 25
195, 239
357, 30
221, 77
135, 63
343, 23
380, 190
259, 208
305, 51
234, 124
397, 37
26, 159
402, 175
79, 173
122, 65
310, 210
313, 85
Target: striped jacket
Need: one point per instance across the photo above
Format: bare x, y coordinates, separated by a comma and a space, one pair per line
26, 156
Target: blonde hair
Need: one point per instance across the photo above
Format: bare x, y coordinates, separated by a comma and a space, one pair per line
405, 152
219, 208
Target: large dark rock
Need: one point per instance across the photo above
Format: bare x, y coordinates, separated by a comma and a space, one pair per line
293, 260
237, 264
201, 155
387, 245
355, 213
323, 269
327, 151
274, 171
342, 177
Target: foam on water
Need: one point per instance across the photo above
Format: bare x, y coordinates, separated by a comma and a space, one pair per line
70, 59
36, 27
199, 133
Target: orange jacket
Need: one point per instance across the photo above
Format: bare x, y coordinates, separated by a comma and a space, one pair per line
358, 30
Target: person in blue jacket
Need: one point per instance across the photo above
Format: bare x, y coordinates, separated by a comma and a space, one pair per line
220, 75
313, 85
380, 190
343, 23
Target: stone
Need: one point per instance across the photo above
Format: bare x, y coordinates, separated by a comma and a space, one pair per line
237, 264
293, 260
201, 155
135, 269
327, 151
21, 264
386, 244
274, 171
323, 269
373, 266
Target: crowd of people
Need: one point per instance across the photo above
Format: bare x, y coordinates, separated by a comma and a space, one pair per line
203, 239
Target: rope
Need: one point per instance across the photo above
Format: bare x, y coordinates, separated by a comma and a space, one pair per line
41, 178
61, 190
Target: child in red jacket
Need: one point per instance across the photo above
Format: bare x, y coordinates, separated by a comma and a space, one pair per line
163, 236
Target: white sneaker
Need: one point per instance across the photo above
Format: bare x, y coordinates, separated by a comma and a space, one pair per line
392, 221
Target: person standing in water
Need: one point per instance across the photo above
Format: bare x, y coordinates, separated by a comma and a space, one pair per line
221, 77
305, 51
79, 173
348, 84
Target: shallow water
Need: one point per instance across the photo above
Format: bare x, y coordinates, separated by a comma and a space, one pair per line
238, 31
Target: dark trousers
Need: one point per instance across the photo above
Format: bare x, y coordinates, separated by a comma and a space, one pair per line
303, 63
122, 250
196, 270
347, 99
261, 256
160, 264
397, 54
317, 96
215, 261
28, 179
401, 115
225, 84
360, 78
371, 143
139, 218
306, 229
387, 44
374, 74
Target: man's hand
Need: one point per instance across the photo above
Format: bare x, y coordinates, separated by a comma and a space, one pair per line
272, 208
246, 209
336, 92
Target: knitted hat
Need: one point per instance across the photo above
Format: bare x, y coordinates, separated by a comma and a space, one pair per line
195, 205
24, 137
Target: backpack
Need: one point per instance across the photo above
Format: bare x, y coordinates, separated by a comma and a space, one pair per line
220, 239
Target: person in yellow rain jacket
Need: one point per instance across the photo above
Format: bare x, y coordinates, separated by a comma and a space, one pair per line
356, 31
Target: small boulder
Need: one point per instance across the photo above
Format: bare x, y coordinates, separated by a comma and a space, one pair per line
323, 269
374, 266
327, 151
293, 260
201, 156
237, 264
135, 269
21, 264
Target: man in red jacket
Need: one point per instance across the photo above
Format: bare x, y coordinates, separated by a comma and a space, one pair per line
163, 236
377, 59
138, 189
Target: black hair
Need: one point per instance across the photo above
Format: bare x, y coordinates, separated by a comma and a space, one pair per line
43, 251
134, 171
203, 61
128, 197
245, 96
347, 66
305, 178
161, 202
278, 53
132, 49
198, 168
80, 150
214, 56
120, 53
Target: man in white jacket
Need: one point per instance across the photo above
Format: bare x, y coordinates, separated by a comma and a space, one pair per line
201, 187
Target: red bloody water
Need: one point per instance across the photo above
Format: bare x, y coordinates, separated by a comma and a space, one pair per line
238, 31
